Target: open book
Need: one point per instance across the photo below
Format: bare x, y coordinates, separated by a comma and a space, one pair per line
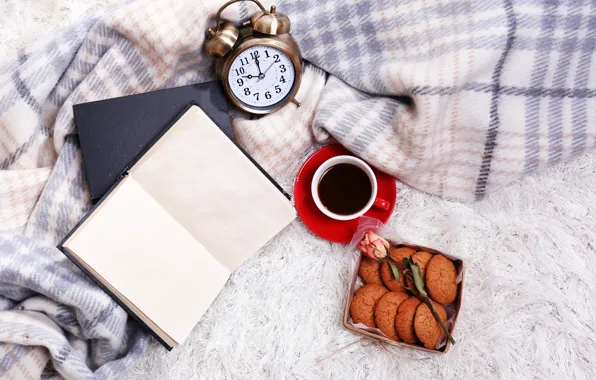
164, 240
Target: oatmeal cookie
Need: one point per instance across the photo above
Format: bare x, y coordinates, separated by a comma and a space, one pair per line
441, 279
386, 311
398, 254
404, 320
426, 326
369, 271
364, 302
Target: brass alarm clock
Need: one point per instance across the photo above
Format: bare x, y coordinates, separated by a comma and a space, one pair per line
258, 62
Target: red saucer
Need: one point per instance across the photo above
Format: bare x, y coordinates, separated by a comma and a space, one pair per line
319, 223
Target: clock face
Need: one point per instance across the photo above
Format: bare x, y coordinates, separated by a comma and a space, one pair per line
261, 77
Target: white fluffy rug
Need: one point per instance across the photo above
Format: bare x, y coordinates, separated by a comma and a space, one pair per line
528, 308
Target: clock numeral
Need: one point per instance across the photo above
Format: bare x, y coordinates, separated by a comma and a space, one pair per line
277, 89
267, 95
267, 54
256, 94
253, 55
239, 71
244, 61
240, 82
282, 79
282, 68
276, 56
247, 91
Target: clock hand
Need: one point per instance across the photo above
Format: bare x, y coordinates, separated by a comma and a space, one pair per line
258, 66
269, 67
265, 72
250, 76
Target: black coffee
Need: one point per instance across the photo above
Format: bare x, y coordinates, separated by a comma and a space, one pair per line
344, 189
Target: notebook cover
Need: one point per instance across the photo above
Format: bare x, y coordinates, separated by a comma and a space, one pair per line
114, 132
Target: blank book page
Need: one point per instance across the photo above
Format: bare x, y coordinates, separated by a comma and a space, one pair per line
211, 188
135, 245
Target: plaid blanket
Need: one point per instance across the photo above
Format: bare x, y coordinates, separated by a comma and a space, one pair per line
454, 98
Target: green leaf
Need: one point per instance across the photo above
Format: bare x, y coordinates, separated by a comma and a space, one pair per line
395, 271
407, 262
417, 276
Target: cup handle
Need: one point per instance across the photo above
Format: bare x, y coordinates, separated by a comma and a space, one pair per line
382, 204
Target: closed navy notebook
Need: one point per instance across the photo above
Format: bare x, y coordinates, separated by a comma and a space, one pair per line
113, 132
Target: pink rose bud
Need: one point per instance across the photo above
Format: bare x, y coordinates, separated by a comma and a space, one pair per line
374, 246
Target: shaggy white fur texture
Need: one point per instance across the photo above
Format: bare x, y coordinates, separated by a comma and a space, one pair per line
528, 308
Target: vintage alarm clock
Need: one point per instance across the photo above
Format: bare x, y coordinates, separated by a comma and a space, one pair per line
258, 62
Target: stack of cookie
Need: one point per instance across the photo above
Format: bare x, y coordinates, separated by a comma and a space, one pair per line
385, 303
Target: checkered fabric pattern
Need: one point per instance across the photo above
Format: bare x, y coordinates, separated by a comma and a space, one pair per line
454, 98
495, 89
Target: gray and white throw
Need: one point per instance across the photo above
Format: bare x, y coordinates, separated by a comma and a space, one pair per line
454, 98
